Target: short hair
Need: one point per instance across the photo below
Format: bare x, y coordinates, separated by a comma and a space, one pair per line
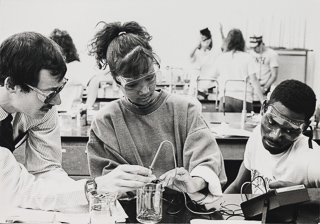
206, 32
235, 41
125, 48
296, 96
24, 55
64, 40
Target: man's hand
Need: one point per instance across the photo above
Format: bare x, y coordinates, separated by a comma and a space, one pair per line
280, 183
123, 179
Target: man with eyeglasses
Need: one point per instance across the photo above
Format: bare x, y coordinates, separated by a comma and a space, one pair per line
32, 71
277, 153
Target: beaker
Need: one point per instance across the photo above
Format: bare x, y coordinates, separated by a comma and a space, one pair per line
102, 208
149, 203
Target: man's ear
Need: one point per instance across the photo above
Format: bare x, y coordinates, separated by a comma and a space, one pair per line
10, 86
263, 108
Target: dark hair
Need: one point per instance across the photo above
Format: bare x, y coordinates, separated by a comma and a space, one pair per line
296, 96
24, 55
206, 32
125, 48
64, 40
235, 41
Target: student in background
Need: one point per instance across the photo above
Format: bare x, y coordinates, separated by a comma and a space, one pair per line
32, 71
236, 64
203, 57
71, 95
277, 153
131, 129
266, 62
94, 84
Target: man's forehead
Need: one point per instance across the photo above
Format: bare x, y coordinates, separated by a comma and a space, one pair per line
285, 111
48, 81
283, 120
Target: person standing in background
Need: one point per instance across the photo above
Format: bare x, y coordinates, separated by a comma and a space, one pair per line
203, 57
71, 95
236, 64
266, 61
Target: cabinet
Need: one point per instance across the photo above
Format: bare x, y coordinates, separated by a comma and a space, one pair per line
292, 65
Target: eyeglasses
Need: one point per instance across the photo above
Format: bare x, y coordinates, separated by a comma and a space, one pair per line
290, 128
46, 98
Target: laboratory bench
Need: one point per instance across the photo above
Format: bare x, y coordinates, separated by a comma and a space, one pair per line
226, 209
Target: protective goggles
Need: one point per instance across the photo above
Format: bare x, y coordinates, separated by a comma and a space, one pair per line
285, 121
45, 97
125, 82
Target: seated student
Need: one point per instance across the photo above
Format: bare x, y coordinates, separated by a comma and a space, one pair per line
29, 90
131, 129
278, 154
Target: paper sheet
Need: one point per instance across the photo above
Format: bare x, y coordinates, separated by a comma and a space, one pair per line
224, 130
76, 215
206, 221
81, 216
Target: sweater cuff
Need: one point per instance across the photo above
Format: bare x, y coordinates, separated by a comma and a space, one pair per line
214, 186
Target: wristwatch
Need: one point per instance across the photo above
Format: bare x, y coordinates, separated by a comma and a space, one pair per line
90, 187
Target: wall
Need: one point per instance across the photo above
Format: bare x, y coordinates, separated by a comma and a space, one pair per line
174, 24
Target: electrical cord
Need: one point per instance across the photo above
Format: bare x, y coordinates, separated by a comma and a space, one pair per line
248, 184
241, 190
223, 208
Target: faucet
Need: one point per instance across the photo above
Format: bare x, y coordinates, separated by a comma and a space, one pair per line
244, 108
213, 80
171, 77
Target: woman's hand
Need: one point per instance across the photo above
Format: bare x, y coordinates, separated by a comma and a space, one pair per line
182, 181
123, 179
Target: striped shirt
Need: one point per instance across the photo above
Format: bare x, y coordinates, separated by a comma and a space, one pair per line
42, 184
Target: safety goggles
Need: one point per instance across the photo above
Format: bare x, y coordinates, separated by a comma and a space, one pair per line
290, 128
285, 121
47, 97
128, 83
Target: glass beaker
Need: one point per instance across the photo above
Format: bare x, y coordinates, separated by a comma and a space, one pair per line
102, 208
149, 203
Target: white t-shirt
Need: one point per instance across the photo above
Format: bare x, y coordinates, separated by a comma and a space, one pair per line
299, 164
234, 66
263, 63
